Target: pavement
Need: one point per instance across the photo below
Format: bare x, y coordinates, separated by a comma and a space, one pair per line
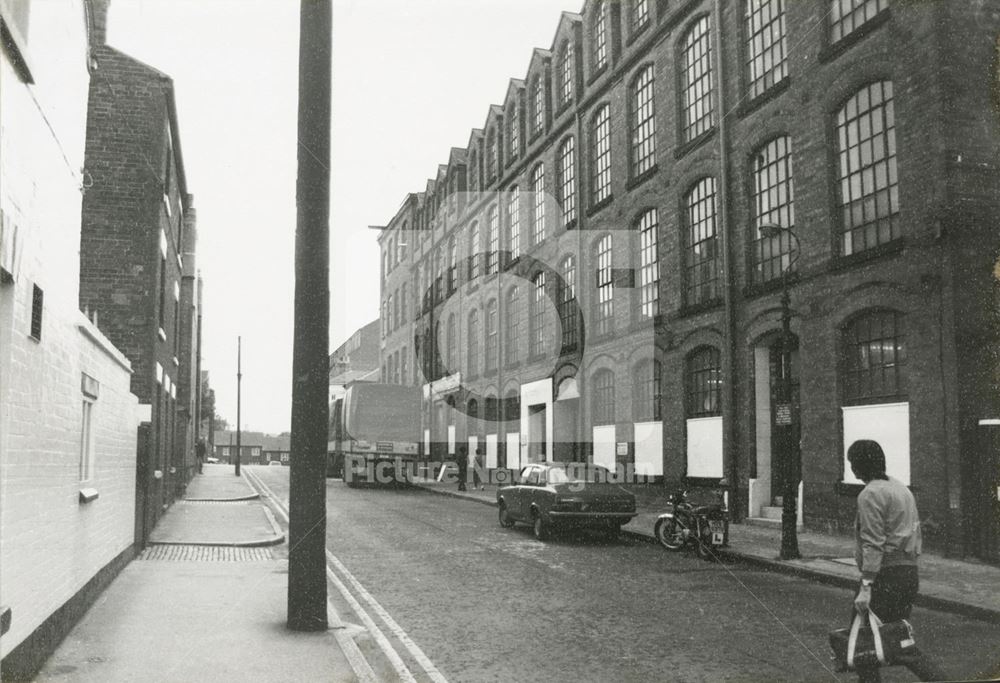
206, 600
961, 586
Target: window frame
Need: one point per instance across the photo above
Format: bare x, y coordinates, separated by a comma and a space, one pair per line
772, 202
604, 297
647, 391
539, 226
600, 147
536, 315
602, 406
696, 74
648, 228
567, 302
642, 122
701, 288
755, 50
703, 383
851, 393
566, 180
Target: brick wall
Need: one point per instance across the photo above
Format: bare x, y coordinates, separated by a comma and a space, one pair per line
51, 544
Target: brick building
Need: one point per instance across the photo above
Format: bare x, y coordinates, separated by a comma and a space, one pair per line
137, 261
68, 420
598, 275
357, 358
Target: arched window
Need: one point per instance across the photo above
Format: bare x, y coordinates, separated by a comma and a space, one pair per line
439, 272
873, 358
537, 321
404, 367
649, 264
392, 253
847, 16
513, 132
600, 155
640, 15
472, 344
493, 240
600, 43
869, 189
512, 408
566, 180
452, 264
492, 336
538, 204
491, 157
403, 315
514, 221
604, 314
646, 394
704, 383
643, 123
697, 98
566, 73
537, 105
513, 329
773, 204
490, 412
474, 251
451, 346
567, 302
767, 54
603, 397
702, 265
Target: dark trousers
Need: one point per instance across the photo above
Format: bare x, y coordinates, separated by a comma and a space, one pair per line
893, 593
463, 471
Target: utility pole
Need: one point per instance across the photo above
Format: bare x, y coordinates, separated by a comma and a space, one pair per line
310, 364
239, 381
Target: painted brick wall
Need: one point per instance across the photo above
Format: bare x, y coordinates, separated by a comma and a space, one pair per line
50, 544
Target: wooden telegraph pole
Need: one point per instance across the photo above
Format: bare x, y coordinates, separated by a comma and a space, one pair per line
310, 365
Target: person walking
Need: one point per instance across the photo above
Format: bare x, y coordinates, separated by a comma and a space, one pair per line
477, 482
199, 451
462, 456
888, 543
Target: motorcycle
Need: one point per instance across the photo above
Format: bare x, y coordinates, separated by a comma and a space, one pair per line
704, 526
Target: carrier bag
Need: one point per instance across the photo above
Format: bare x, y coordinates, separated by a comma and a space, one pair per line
874, 642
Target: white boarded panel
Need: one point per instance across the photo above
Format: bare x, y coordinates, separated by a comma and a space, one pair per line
604, 446
427, 442
491, 451
649, 448
451, 439
704, 447
514, 450
473, 445
889, 425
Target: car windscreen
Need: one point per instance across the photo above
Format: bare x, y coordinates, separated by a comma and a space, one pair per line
579, 473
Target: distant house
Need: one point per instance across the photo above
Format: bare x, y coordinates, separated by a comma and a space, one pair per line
256, 448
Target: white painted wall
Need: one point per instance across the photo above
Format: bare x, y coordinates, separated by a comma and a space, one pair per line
51, 544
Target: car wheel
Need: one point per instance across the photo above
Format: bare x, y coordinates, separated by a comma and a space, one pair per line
540, 527
506, 521
669, 534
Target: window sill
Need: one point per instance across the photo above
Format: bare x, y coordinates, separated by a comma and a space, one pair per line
832, 51
770, 286
570, 225
687, 147
597, 74
771, 93
885, 250
595, 208
637, 33
88, 495
563, 108
642, 177
694, 309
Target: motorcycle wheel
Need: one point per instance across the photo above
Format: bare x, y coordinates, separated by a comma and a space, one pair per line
669, 534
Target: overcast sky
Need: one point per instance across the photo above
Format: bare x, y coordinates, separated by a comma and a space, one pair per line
411, 78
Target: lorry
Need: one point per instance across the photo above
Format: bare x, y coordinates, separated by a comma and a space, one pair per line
374, 433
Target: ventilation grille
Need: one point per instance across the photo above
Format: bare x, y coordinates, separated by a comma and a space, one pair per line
205, 553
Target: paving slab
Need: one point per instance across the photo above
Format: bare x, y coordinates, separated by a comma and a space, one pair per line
218, 482
235, 523
168, 621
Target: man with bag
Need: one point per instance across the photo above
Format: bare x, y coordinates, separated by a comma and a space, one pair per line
887, 530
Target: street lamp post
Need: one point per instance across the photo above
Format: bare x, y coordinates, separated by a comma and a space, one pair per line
790, 455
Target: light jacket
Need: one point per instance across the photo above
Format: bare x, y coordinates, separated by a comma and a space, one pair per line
887, 527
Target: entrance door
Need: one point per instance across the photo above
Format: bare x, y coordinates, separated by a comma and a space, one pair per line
537, 436
785, 423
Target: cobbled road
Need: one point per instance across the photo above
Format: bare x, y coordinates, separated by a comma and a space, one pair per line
492, 604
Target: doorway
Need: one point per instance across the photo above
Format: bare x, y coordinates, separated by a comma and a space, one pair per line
777, 420
537, 436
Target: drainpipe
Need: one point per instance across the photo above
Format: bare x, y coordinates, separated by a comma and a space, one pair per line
581, 326
729, 358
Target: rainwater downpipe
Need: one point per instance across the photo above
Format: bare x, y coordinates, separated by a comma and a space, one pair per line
729, 362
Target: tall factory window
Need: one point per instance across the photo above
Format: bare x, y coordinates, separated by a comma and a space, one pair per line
600, 150
472, 343
538, 204
513, 313
646, 394
702, 267
492, 240
537, 320
649, 265
767, 53
847, 16
567, 302
600, 35
603, 392
604, 314
773, 204
697, 107
566, 73
492, 335
873, 358
643, 123
566, 180
704, 383
514, 221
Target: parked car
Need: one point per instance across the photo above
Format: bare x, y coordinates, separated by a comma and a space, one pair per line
275, 463
212, 461
554, 495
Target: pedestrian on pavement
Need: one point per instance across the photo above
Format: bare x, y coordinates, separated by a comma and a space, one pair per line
888, 543
463, 465
199, 452
477, 482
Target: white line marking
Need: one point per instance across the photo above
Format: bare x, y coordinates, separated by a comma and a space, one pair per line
402, 671
396, 629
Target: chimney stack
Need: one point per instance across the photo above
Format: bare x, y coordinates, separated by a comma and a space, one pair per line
99, 21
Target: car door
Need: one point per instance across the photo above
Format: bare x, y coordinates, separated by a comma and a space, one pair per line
516, 494
533, 487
